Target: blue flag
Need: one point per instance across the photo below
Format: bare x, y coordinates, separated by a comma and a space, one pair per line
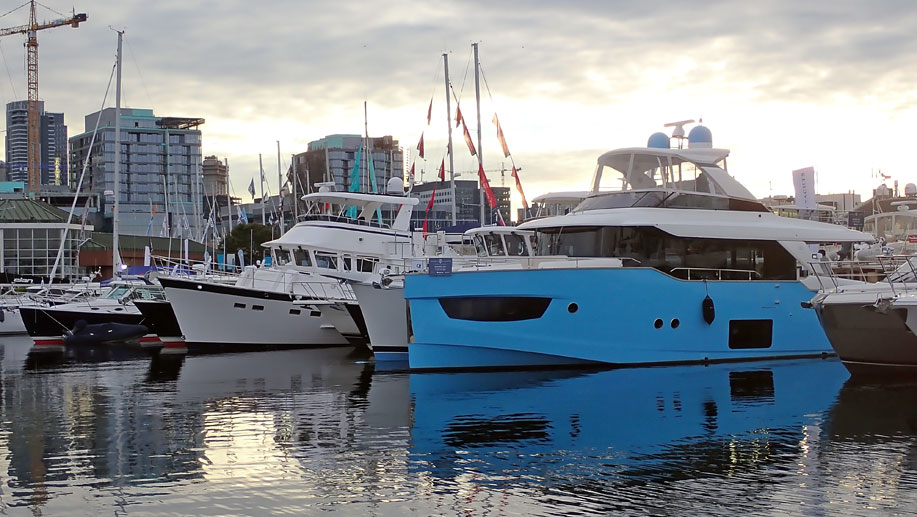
251, 188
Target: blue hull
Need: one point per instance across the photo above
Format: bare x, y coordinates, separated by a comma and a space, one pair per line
618, 316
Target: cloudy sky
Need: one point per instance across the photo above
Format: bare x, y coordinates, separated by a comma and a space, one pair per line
783, 84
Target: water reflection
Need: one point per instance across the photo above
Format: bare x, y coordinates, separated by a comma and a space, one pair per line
303, 431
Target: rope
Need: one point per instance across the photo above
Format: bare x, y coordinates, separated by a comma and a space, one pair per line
14, 9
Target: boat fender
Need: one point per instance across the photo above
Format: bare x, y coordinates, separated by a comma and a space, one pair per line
2, 316
707, 309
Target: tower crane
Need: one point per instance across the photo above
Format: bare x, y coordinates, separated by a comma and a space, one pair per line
32, 54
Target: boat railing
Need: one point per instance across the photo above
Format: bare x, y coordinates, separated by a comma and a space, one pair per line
175, 267
706, 273
897, 270
323, 290
342, 219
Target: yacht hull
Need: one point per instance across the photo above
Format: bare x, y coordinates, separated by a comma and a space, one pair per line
870, 341
227, 315
11, 323
42, 322
603, 316
385, 314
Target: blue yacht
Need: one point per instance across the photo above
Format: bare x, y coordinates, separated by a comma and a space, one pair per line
677, 263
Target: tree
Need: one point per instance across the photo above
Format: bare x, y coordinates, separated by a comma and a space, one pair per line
248, 238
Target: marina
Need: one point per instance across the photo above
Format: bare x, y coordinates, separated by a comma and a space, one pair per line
492, 273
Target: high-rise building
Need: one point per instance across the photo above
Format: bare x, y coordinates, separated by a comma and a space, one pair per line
214, 174
159, 175
467, 205
332, 159
52, 144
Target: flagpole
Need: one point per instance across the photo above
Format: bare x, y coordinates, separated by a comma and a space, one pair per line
261, 168
115, 258
477, 97
280, 189
449, 125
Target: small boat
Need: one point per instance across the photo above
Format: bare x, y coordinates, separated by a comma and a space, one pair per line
105, 333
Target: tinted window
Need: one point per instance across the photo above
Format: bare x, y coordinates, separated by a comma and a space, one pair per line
494, 308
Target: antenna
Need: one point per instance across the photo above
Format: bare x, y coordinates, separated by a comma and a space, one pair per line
679, 131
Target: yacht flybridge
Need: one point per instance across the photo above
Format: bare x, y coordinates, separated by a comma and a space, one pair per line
678, 263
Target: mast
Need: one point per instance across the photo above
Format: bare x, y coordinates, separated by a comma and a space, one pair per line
280, 189
295, 200
261, 169
366, 151
115, 256
477, 98
449, 126
228, 195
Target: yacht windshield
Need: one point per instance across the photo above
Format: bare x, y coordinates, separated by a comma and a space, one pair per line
117, 292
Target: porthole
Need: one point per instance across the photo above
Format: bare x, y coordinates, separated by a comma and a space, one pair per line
658, 323
675, 323
573, 307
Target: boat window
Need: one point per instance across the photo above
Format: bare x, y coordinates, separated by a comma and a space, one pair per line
366, 264
479, 246
494, 245
687, 258
346, 261
326, 260
281, 258
301, 258
117, 292
515, 245
510, 308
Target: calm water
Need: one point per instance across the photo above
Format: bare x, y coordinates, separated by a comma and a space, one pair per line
317, 431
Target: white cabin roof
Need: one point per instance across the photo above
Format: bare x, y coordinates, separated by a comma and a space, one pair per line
358, 199
712, 224
561, 197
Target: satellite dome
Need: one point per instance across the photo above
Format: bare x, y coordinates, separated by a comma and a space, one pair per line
910, 190
700, 138
394, 186
658, 141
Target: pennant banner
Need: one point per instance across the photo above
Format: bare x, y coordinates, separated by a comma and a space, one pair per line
468, 139
442, 170
500, 137
491, 199
420, 146
432, 199
458, 116
430, 111
519, 188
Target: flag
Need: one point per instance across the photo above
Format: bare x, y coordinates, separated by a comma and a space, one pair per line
500, 136
491, 199
185, 227
468, 139
251, 187
243, 218
430, 111
411, 174
270, 220
241, 259
442, 170
165, 226
420, 146
424, 225
432, 199
458, 115
149, 226
515, 175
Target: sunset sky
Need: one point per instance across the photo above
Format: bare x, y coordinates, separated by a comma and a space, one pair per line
782, 84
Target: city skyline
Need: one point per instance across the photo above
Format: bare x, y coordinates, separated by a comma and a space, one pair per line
783, 86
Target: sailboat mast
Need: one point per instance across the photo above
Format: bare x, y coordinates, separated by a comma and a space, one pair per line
477, 99
115, 256
261, 169
366, 180
280, 189
449, 126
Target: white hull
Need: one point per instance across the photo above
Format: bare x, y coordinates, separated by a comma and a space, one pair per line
385, 313
12, 323
336, 314
223, 318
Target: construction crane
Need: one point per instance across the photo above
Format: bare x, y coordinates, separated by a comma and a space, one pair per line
32, 53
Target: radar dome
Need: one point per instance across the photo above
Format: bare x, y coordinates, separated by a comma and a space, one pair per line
394, 186
658, 141
700, 138
910, 190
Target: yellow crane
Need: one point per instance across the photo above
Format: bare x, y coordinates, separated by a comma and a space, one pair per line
32, 53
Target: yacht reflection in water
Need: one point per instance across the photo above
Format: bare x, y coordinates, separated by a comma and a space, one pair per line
618, 426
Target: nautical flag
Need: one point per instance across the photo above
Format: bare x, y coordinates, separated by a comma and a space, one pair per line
519, 188
184, 225
243, 217
411, 174
270, 220
430, 111
420, 146
251, 186
491, 199
500, 136
458, 115
468, 139
165, 226
432, 199
241, 259
442, 170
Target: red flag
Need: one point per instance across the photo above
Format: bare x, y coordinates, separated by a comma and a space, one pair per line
500, 136
430, 204
420, 146
442, 170
519, 188
411, 174
425, 225
458, 116
430, 111
491, 199
468, 139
